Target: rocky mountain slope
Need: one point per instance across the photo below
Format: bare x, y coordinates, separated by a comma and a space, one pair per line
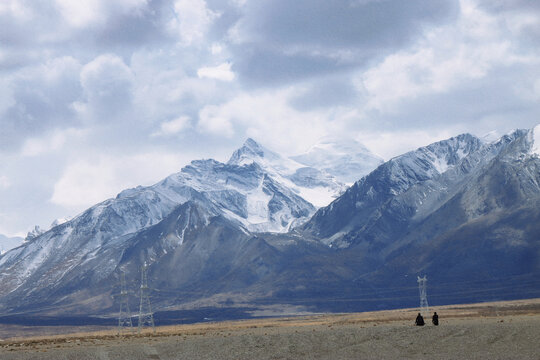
463, 211
256, 191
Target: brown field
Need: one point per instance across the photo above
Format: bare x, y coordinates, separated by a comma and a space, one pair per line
501, 330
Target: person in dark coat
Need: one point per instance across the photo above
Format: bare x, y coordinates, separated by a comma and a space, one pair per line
435, 319
419, 320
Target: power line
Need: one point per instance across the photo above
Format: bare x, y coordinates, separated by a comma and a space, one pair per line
124, 317
146, 317
424, 307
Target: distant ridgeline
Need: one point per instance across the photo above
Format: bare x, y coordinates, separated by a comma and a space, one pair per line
263, 230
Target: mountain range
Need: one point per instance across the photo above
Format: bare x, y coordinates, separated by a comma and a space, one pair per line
266, 233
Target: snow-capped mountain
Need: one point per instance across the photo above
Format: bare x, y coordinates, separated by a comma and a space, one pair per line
311, 183
257, 190
9, 242
533, 139
390, 188
59, 221
347, 160
35, 232
38, 230
245, 194
463, 210
460, 209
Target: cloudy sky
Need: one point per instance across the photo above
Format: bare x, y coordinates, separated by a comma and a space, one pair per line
98, 95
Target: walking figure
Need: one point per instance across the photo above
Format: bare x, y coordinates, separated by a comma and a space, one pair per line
435, 319
419, 320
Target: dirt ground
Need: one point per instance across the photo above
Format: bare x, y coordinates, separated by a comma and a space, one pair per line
509, 330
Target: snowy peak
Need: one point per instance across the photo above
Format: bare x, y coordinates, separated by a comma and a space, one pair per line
490, 136
310, 183
333, 145
34, 233
443, 155
59, 221
254, 147
248, 191
346, 159
534, 139
427, 162
407, 189
251, 152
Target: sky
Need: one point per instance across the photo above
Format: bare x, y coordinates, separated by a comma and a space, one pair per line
97, 96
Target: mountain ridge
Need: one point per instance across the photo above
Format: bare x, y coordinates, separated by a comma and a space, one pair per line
447, 209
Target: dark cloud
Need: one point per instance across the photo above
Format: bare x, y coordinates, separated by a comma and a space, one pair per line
107, 84
286, 40
129, 31
42, 100
229, 14
378, 23
529, 31
510, 5
41, 27
326, 92
264, 66
24, 27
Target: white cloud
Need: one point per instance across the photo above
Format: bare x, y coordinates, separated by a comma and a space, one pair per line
216, 49
58, 67
173, 127
51, 142
87, 182
390, 144
267, 116
80, 13
48, 77
239, 3
536, 89
192, 20
16, 9
83, 13
7, 99
164, 86
221, 72
4, 182
107, 82
103, 72
211, 122
448, 57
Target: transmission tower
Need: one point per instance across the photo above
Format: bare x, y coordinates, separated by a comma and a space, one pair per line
424, 307
124, 318
146, 317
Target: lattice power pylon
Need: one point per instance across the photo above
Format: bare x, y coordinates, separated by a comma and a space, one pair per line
422, 284
124, 317
146, 317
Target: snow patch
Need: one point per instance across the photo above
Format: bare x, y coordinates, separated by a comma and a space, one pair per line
491, 137
535, 138
257, 205
318, 196
440, 165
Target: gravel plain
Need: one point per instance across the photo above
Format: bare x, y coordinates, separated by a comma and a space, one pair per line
488, 331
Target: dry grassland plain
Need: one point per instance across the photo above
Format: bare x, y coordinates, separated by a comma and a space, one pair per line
502, 330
